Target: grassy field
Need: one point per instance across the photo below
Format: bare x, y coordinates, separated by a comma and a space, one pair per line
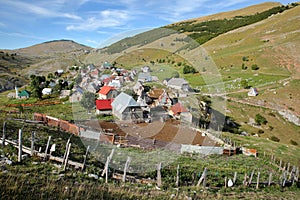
276, 126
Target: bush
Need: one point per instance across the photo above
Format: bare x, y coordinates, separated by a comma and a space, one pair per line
293, 142
244, 84
260, 131
275, 139
254, 67
259, 120
188, 69
244, 67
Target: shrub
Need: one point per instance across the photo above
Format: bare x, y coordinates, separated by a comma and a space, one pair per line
260, 119
260, 131
254, 67
245, 58
188, 69
244, 67
275, 139
244, 84
293, 142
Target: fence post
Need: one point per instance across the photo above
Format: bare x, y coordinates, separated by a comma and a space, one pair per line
108, 159
270, 179
85, 157
250, 181
32, 142
280, 164
203, 176
4, 130
177, 177
159, 182
107, 162
234, 177
20, 146
245, 179
46, 151
125, 168
297, 174
257, 182
67, 156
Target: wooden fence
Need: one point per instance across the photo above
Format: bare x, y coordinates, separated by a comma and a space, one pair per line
290, 174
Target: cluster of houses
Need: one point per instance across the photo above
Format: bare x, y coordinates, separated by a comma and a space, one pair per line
143, 104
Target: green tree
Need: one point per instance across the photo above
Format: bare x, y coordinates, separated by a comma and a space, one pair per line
88, 100
37, 86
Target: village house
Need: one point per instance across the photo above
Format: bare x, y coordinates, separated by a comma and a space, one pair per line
253, 92
160, 97
158, 113
138, 88
176, 110
107, 92
116, 83
103, 106
47, 91
146, 69
95, 73
24, 94
144, 77
126, 108
178, 84
106, 65
60, 72
76, 95
64, 93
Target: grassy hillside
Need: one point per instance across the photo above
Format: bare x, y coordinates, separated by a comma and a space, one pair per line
258, 8
206, 30
17, 65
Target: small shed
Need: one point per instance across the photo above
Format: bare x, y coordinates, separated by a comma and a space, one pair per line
253, 92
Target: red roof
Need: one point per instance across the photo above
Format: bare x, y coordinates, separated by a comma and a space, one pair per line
178, 108
105, 90
104, 104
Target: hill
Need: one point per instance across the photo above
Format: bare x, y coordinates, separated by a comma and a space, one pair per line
250, 10
17, 65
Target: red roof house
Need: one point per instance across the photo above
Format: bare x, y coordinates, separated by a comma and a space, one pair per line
107, 92
103, 106
177, 109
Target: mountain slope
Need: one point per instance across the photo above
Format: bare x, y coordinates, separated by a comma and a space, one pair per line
250, 10
17, 65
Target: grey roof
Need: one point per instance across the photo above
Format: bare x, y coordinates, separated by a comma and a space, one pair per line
177, 81
146, 76
79, 89
122, 101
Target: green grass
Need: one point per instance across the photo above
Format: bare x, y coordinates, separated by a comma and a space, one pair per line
285, 131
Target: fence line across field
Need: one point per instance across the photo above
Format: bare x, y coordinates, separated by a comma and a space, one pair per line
290, 174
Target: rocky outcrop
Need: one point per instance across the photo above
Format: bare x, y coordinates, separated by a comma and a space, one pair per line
290, 117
